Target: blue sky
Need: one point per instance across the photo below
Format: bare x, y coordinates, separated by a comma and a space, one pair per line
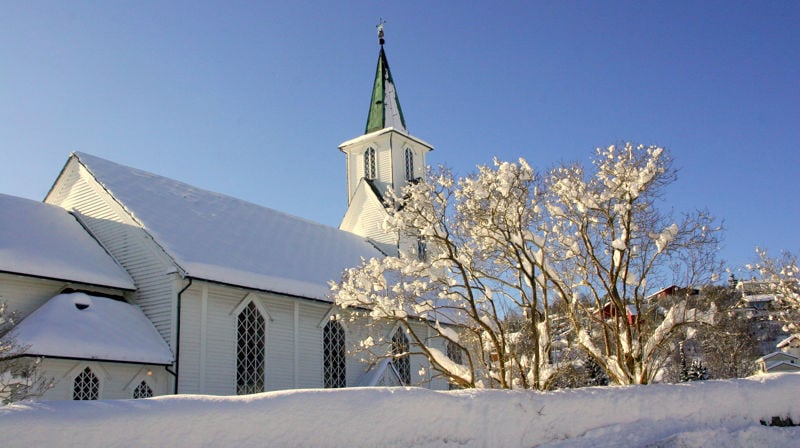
251, 99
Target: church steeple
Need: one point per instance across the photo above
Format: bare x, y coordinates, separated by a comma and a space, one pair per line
386, 158
384, 109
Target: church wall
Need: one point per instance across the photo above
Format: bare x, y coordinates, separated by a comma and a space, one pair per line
280, 344
22, 295
365, 218
125, 240
358, 360
117, 380
309, 343
208, 339
219, 344
189, 366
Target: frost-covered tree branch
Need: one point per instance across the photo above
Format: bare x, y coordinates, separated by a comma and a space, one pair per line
782, 275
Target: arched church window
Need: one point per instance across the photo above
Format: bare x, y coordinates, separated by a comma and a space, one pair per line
143, 390
400, 356
455, 354
409, 164
250, 349
334, 365
370, 171
86, 386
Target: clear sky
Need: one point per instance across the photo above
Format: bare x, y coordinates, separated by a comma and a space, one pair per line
252, 99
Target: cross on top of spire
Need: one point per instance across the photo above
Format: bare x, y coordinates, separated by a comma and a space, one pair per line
380, 24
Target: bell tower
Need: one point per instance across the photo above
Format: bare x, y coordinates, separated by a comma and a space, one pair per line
385, 158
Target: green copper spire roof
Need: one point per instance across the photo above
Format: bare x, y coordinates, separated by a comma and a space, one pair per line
384, 110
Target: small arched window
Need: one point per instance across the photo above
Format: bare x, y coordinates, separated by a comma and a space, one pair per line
409, 164
86, 386
454, 353
334, 364
250, 349
370, 171
400, 356
143, 390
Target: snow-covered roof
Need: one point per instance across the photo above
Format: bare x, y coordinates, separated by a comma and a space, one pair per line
223, 239
372, 135
81, 326
784, 355
786, 342
43, 240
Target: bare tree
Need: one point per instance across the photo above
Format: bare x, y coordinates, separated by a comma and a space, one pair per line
19, 378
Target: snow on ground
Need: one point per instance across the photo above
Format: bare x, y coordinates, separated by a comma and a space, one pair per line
722, 413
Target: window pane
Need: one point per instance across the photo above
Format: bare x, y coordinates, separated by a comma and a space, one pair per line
409, 164
370, 171
333, 341
250, 351
400, 354
142, 391
86, 386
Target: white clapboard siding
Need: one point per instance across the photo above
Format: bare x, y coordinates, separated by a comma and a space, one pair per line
130, 245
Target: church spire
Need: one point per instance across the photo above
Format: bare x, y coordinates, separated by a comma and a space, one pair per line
384, 110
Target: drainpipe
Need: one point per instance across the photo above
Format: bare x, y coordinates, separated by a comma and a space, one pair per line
178, 335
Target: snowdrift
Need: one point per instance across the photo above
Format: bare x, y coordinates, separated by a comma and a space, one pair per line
707, 413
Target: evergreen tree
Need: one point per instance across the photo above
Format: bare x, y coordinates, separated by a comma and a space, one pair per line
697, 371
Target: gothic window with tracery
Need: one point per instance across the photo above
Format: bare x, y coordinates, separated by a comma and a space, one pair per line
370, 171
400, 359
334, 365
250, 349
86, 386
143, 390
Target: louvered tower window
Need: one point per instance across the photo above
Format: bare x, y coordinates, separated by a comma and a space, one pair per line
409, 164
370, 171
335, 372
400, 356
250, 351
86, 386
142, 391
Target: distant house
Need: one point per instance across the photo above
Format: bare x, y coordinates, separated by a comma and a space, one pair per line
756, 295
132, 284
790, 345
672, 291
609, 311
778, 362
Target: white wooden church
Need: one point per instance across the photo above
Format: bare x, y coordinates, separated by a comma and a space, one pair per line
134, 285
